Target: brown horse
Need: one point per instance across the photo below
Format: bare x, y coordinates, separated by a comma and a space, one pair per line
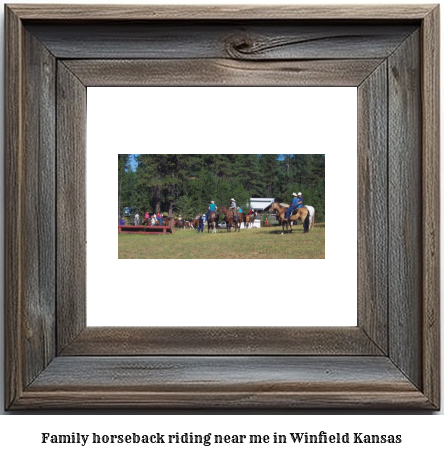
302, 213
213, 219
249, 220
229, 219
169, 221
241, 218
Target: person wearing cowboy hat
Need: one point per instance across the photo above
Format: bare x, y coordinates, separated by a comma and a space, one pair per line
293, 206
233, 208
300, 201
211, 208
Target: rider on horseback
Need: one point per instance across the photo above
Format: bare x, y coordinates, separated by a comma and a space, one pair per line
233, 208
211, 208
294, 205
300, 201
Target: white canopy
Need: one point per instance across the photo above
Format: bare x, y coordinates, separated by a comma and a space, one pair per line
261, 204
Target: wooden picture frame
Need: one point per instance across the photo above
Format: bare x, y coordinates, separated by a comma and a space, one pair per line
390, 360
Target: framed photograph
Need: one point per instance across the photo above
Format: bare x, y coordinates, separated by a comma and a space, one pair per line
389, 359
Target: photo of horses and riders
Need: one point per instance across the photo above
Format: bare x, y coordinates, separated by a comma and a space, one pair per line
221, 206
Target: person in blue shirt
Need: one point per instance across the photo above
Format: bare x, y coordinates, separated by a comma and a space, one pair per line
200, 228
211, 208
294, 204
300, 201
239, 211
122, 221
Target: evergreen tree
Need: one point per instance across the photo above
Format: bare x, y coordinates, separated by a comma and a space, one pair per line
269, 165
255, 182
187, 183
122, 168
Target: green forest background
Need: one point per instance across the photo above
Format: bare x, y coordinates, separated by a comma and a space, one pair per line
186, 183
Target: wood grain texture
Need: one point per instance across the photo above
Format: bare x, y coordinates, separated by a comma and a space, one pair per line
404, 210
234, 382
258, 40
30, 224
372, 207
407, 378
71, 206
220, 12
13, 205
430, 94
127, 341
206, 373
221, 72
323, 400
39, 207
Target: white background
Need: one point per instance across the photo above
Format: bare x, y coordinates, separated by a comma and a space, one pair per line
203, 120
20, 434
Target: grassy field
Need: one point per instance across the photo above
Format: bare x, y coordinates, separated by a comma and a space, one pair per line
250, 244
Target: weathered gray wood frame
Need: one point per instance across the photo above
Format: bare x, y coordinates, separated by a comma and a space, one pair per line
390, 360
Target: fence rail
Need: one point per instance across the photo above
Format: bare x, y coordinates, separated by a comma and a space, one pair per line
140, 229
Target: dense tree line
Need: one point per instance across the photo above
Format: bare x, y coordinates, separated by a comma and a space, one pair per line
186, 183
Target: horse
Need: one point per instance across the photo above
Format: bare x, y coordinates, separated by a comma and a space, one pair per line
249, 221
213, 218
229, 219
169, 221
241, 219
306, 214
